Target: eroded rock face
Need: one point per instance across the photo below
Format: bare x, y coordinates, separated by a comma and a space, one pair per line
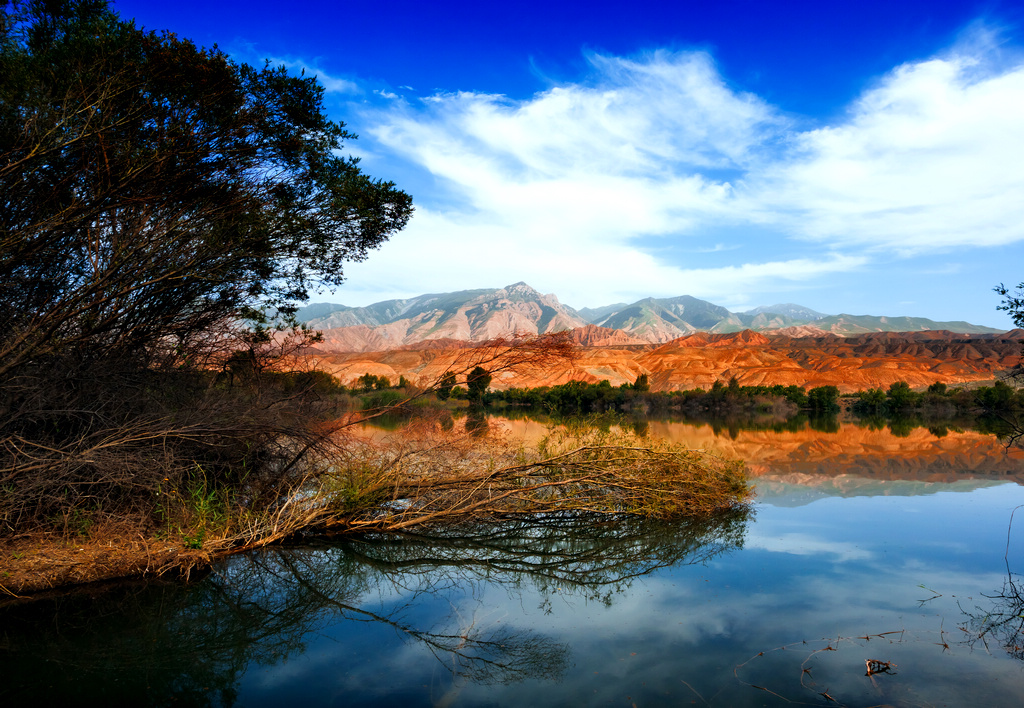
594, 336
698, 360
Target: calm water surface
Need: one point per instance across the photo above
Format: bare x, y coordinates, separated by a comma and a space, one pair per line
861, 546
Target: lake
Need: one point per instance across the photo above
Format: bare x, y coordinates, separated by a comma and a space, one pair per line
862, 546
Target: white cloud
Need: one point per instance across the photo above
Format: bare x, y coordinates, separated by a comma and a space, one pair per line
800, 544
567, 189
652, 119
932, 157
718, 248
484, 253
556, 189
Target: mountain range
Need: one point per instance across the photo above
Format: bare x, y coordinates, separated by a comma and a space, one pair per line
443, 319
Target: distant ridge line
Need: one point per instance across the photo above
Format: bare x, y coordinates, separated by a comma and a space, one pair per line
482, 314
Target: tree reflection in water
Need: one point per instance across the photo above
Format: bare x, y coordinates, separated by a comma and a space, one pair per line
164, 643
1003, 620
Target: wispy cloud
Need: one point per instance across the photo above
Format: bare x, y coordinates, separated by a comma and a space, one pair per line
558, 188
718, 248
807, 545
581, 271
932, 157
331, 84
575, 186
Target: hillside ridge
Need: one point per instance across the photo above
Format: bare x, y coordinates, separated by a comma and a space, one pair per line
482, 314
872, 360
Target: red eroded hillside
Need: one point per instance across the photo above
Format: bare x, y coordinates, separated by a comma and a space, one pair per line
852, 363
746, 338
594, 336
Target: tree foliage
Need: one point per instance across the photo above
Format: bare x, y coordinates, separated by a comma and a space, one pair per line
823, 399
155, 196
445, 385
581, 398
1013, 302
370, 382
152, 188
477, 382
901, 396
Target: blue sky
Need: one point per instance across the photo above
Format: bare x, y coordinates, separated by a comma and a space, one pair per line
859, 157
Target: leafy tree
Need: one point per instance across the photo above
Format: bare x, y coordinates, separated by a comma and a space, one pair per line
901, 396
733, 389
153, 189
366, 382
1013, 303
371, 382
823, 399
998, 397
871, 401
477, 382
794, 394
157, 199
642, 384
445, 386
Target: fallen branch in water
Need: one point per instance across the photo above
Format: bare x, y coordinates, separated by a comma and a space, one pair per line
425, 477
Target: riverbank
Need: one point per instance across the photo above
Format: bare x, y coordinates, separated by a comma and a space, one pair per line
423, 478
35, 564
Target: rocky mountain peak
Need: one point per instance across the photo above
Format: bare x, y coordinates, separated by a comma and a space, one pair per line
520, 288
478, 315
788, 309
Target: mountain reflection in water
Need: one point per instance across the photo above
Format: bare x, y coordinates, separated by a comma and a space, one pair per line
813, 455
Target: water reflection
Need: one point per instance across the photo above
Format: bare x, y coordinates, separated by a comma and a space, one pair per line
592, 557
331, 584
867, 545
819, 449
477, 424
165, 644
1000, 620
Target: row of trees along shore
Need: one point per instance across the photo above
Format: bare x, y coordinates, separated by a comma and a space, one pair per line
939, 399
581, 397
995, 409
163, 212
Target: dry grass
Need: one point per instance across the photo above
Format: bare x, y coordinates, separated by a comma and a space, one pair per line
425, 477
38, 562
